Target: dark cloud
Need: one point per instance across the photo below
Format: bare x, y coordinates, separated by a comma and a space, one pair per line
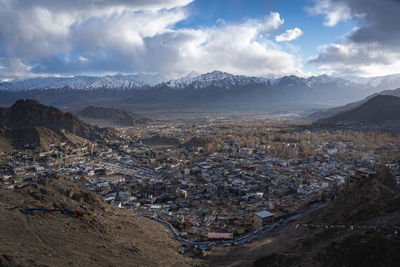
379, 21
375, 42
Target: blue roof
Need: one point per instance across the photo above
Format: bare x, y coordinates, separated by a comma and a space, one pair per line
264, 214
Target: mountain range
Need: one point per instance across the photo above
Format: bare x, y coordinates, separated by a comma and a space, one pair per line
214, 91
182, 80
119, 81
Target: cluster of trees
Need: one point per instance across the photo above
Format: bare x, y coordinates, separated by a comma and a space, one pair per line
296, 140
299, 140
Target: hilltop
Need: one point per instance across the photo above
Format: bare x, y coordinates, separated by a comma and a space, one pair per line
27, 123
26, 113
324, 114
50, 239
102, 115
377, 110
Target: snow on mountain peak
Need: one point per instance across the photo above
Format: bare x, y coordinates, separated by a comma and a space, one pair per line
77, 82
215, 78
388, 82
180, 80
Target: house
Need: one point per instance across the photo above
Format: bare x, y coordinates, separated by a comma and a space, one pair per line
246, 151
212, 235
365, 172
331, 151
261, 218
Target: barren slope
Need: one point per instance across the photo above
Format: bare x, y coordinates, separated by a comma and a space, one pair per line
55, 239
118, 117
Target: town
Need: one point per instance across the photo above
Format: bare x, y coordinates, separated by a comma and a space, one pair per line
216, 179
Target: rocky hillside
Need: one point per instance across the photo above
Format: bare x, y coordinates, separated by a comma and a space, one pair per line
118, 117
55, 239
34, 137
29, 123
30, 113
377, 110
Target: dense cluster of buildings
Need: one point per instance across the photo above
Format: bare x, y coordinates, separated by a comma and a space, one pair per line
204, 195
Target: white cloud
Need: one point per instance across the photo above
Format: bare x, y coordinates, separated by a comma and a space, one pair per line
128, 36
242, 48
234, 48
355, 59
333, 12
83, 59
46, 27
354, 54
126, 32
14, 68
289, 35
271, 22
370, 70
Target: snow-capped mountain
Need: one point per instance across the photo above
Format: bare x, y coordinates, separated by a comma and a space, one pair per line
388, 82
113, 82
324, 79
119, 81
215, 78
157, 78
78, 83
312, 82
322, 84
216, 90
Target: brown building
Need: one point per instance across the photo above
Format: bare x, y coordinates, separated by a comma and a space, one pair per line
262, 218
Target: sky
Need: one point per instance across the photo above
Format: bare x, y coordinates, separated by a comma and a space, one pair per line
268, 38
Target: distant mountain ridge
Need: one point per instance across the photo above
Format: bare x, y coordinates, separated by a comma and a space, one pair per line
217, 79
379, 109
77, 83
214, 91
87, 83
181, 80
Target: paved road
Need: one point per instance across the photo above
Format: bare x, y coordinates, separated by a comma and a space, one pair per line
236, 241
132, 169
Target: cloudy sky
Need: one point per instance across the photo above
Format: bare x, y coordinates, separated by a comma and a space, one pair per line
250, 37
